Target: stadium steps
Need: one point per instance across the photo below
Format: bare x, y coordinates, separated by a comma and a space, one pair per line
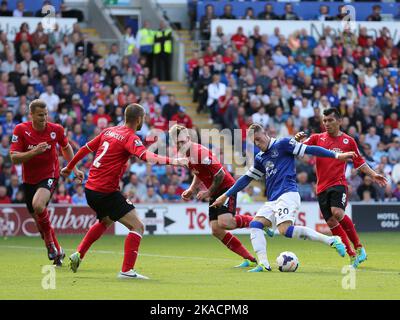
93, 35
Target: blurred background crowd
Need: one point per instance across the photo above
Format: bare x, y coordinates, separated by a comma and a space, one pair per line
283, 83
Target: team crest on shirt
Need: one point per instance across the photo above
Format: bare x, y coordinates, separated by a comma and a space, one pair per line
14, 138
274, 153
345, 141
138, 143
53, 135
292, 142
206, 160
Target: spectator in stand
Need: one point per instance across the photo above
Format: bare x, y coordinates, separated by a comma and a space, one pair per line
215, 90
79, 197
157, 121
151, 196
396, 192
376, 13
305, 188
182, 118
4, 198
4, 12
394, 151
324, 14
171, 108
205, 22
101, 119
19, 11
239, 39
367, 186
61, 196
268, 13
289, 14
228, 13
170, 195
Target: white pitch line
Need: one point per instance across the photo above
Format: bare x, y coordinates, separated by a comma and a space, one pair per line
120, 253
190, 258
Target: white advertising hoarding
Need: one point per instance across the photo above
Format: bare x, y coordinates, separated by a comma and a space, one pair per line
11, 25
192, 218
314, 28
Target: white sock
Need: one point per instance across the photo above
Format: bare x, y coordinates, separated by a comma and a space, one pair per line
307, 233
259, 244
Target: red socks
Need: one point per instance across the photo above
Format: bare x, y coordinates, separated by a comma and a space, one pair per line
94, 233
351, 232
338, 231
53, 235
236, 246
243, 221
44, 226
131, 249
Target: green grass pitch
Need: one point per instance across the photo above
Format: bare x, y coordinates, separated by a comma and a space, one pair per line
199, 267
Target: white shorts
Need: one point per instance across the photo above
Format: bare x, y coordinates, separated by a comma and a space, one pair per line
285, 208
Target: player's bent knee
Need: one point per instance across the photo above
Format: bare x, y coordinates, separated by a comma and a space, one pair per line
285, 227
256, 224
338, 213
38, 207
332, 222
225, 223
217, 231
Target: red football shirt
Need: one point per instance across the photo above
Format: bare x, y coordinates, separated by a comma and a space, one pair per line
45, 165
331, 172
205, 165
113, 146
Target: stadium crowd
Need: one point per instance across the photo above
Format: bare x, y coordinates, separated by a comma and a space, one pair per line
85, 92
285, 84
282, 83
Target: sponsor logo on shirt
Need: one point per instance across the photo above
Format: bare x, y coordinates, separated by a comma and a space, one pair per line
28, 133
292, 142
14, 139
31, 146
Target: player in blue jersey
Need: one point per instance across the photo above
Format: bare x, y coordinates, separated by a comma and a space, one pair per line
276, 161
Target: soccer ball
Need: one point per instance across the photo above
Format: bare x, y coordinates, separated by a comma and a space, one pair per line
287, 262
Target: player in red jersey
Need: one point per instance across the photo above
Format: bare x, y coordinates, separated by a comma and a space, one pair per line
113, 147
34, 145
209, 171
332, 184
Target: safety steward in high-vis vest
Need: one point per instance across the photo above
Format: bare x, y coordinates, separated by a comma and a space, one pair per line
162, 52
146, 39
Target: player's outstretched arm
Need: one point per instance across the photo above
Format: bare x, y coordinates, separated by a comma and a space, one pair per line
68, 155
325, 153
89, 147
378, 178
239, 185
157, 159
82, 152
